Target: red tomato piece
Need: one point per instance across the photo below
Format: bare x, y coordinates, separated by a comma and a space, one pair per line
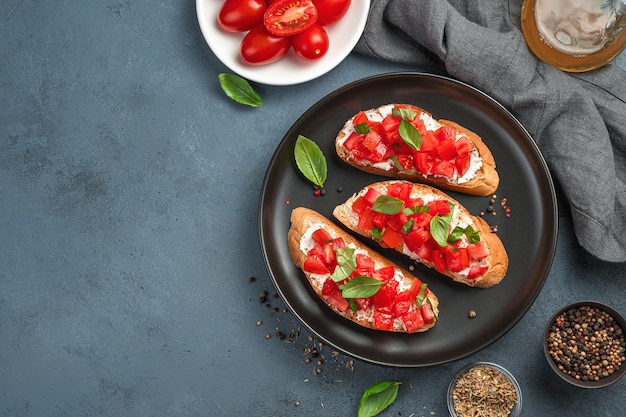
458, 260
443, 168
478, 250
371, 195
422, 162
363, 303
439, 259
427, 313
392, 238
311, 44
429, 141
462, 163
371, 140
421, 220
337, 300
260, 47
315, 265
359, 205
446, 150
477, 270
360, 118
289, 17
446, 133
413, 321
383, 320
415, 239
384, 297
364, 262
321, 236
385, 273
463, 146
400, 308
330, 258
329, 287
241, 15
440, 207
366, 219
331, 11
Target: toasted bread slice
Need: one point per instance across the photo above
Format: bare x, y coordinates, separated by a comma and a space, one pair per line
480, 177
490, 262
301, 238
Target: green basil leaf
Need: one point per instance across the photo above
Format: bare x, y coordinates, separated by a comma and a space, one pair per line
405, 113
239, 90
353, 305
361, 287
310, 160
410, 135
419, 300
406, 227
362, 128
346, 264
439, 229
433, 308
415, 210
378, 397
472, 235
456, 234
376, 233
399, 167
387, 205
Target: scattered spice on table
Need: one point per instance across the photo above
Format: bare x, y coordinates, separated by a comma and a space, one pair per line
484, 392
587, 343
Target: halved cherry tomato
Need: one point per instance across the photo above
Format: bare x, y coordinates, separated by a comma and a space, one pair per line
289, 17
330, 11
241, 15
260, 47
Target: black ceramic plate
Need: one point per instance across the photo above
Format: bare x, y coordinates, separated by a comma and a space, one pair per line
529, 234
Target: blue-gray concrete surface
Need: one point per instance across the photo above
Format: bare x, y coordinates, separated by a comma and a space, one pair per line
129, 190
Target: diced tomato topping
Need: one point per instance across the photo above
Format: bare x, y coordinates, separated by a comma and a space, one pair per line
392, 238
462, 163
477, 270
330, 258
366, 219
329, 287
422, 164
365, 263
363, 303
360, 118
446, 133
440, 207
384, 297
339, 243
463, 146
427, 313
383, 320
360, 204
416, 238
321, 236
413, 321
439, 259
400, 308
385, 273
371, 140
443, 168
371, 195
315, 265
338, 301
478, 250
421, 220
380, 220
352, 142
397, 221
429, 141
458, 260
446, 150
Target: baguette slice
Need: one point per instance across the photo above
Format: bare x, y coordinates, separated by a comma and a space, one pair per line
303, 223
480, 179
485, 270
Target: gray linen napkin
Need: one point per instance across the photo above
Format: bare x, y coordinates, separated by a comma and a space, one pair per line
577, 120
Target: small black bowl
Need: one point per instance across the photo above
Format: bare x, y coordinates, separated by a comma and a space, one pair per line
569, 358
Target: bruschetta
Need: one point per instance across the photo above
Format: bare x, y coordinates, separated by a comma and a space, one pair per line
355, 281
430, 227
403, 141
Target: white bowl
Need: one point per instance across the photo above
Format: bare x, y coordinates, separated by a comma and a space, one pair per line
343, 36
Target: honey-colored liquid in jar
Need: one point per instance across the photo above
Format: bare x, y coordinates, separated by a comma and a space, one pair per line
571, 35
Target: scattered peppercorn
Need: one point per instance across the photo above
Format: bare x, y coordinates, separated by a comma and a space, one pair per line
471, 314
339, 189
251, 279
586, 343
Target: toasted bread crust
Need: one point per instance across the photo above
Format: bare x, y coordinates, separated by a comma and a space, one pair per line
484, 183
301, 219
498, 259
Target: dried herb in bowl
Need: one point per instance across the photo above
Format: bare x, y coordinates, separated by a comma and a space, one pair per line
484, 390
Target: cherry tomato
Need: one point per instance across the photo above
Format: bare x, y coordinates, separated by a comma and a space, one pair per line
241, 15
289, 17
312, 43
260, 47
330, 11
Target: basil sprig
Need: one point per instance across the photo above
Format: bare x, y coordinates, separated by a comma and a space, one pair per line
440, 227
415, 210
458, 232
239, 90
362, 128
387, 205
360, 287
410, 135
378, 397
310, 160
346, 263
404, 113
